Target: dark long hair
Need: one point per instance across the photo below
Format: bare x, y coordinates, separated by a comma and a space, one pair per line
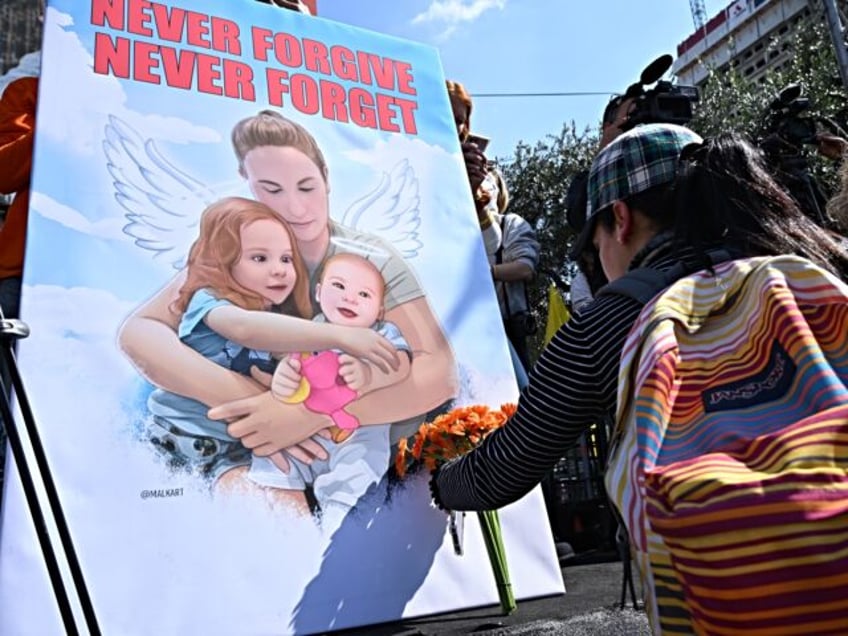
724, 195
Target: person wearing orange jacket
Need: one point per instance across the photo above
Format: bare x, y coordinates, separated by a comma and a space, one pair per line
17, 124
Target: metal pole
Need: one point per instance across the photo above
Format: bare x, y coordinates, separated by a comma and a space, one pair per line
11, 330
38, 518
838, 38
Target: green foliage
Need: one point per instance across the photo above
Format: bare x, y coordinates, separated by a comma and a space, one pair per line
538, 178
732, 102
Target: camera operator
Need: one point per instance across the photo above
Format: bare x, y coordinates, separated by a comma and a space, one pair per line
616, 116
785, 130
510, 241
590, 278
664, 103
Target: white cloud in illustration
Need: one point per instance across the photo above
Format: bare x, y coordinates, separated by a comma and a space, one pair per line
72, 349
385, 154
49, 208
78, 123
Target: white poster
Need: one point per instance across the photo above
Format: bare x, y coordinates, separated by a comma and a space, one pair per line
222, 203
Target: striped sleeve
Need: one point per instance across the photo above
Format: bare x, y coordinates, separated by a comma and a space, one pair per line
572, 385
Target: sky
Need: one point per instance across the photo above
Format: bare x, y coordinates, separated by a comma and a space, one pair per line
532, 46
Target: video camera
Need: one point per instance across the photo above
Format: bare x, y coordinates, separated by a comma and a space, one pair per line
665, 103
784, 131
783, 124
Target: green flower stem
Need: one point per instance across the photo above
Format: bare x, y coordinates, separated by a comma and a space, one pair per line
490, 523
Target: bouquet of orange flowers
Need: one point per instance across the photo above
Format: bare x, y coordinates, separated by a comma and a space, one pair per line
450, 435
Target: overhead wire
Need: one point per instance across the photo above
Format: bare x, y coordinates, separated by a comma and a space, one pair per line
561, 94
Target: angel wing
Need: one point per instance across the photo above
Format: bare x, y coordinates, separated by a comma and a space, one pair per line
163, 204
390, 210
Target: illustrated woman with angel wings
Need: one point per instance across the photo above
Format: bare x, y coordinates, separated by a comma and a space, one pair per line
286, 170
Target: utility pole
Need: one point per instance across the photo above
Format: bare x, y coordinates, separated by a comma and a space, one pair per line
838, 38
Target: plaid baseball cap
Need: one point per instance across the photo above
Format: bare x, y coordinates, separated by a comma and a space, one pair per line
639, 159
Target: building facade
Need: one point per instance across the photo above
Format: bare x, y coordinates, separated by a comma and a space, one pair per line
20, 31
752, 36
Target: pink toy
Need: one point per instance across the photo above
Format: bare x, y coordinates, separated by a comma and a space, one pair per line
328, 393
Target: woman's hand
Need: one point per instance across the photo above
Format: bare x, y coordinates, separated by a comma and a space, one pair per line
367, 344
306, 450
476, 165
265, 425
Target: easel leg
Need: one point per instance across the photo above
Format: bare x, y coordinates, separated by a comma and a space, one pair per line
10, 332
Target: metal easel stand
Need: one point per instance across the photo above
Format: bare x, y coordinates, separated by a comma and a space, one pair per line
10, 332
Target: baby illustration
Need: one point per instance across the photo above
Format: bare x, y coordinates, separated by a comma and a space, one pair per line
350, 293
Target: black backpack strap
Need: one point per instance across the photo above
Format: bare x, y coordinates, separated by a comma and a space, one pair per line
643, 283
640, 284
499, 253
720, 255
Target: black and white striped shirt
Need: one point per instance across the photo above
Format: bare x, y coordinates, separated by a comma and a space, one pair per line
573, 385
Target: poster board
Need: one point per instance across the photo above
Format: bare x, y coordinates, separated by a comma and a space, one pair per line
136, 107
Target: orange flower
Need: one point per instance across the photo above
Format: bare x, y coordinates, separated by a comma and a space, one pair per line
400, 458
457, 428
450, 434
430, 462
418, 446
